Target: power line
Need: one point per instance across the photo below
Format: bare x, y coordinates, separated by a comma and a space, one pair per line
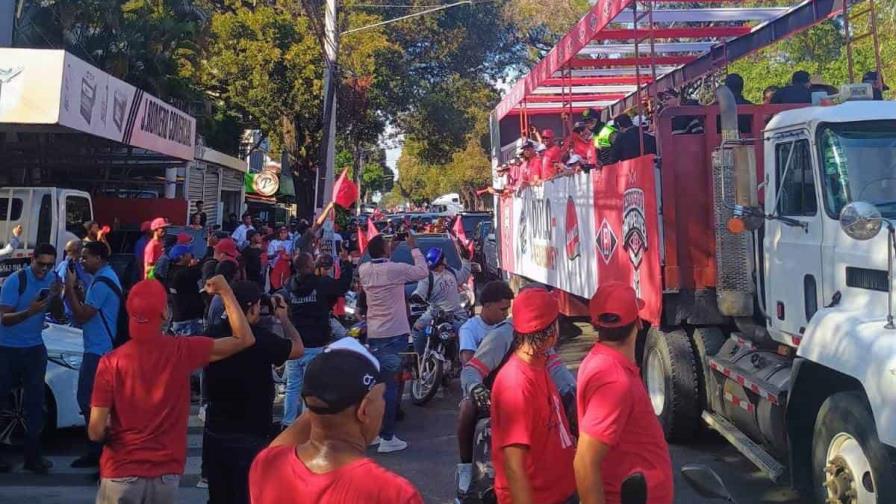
400, 18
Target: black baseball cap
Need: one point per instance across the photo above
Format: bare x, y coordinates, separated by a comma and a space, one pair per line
340, 376
246, 293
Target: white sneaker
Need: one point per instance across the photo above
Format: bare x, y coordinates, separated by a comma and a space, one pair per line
202, 483
463, 478
201, 414
377, 440
391, 445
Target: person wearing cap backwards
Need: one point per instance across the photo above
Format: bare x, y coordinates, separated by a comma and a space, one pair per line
321, 458
155, 246
532, 446
140, 247
619, 433
241, 396
387, 321
187, 308
141, 396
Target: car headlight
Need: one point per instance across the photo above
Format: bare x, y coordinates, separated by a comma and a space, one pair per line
67, 359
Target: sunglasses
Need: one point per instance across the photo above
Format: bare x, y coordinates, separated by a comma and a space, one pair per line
44, 265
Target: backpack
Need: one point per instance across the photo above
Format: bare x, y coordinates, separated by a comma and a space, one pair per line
122, 332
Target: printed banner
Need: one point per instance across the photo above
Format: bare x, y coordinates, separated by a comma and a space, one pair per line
29, 85
574, 232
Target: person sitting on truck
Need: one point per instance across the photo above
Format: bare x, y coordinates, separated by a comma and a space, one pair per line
24, 300
797, 91
877, 84
13, 244
619, 433
155, 247
627, 144
735, 83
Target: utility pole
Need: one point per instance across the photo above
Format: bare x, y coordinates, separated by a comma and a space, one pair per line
324, 187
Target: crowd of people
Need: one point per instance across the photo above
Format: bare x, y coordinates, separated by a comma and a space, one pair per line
591, 143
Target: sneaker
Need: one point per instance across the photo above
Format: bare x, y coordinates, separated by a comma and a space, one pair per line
377, 440
463, 477
201, 413
85, 461
391, 445
202, 483
39, 465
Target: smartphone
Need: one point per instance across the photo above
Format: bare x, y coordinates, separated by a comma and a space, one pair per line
71, 265
43, 294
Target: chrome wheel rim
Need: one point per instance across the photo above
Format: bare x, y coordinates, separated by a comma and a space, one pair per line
425, 376
656, 382
12, 420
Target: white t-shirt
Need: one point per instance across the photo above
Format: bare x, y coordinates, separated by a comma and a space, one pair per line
472, 333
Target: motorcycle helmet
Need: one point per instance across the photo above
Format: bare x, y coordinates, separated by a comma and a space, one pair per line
434, 257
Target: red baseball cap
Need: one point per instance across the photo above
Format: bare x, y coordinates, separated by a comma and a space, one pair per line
158, 223
227, 247
548, 133
615, 304
146, 306
534, 309
145, 226
184, 239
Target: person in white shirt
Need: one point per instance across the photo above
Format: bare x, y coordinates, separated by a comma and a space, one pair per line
282, 243
495, 298
239, 234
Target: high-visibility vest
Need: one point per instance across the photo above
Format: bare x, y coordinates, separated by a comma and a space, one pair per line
603, 140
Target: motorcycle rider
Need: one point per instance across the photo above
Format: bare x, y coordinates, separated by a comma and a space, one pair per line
476, 379
439, 290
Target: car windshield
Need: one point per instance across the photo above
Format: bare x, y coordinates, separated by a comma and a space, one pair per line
859, 164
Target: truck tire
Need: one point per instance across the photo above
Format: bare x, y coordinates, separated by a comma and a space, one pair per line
669, 370
847, 455
708, 341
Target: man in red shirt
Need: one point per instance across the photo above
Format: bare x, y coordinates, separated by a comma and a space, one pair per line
155, 247
619, 433
141, 396
532, 447
320, 458
551, 156
530, 169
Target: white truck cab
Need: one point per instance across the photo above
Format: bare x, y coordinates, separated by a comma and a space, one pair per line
47, 215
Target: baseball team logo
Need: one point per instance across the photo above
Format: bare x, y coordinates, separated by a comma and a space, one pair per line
573, 245
606, 241
634, 231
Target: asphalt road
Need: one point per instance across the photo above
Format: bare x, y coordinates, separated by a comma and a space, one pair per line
429, 462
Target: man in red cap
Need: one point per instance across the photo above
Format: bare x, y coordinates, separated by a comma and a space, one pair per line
155, 248
141, 396
619, 433
532, 447
551, 157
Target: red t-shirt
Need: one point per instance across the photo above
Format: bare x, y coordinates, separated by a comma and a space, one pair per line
526, 410
151, 254
614, 408
585, 149
551, 156
278, 476
146, 384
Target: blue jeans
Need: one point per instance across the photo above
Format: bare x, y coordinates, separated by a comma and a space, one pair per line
191, 327
26, 367
387, 350
295, 376
86, 377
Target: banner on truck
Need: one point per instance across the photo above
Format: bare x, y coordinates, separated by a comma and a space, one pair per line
574, 232
53, 87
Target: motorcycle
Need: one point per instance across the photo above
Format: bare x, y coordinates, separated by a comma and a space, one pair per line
440, 361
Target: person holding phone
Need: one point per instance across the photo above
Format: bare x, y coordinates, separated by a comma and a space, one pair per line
24, 300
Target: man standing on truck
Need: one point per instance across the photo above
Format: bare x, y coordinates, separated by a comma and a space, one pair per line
155, 247
24, 300
619, 433
797, 91
532, 446
98, 317
387, 321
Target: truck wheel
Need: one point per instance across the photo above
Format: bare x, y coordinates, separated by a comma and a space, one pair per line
670, 372
849, 463
708, 341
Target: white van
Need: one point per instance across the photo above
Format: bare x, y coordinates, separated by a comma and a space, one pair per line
46, 214
448, 204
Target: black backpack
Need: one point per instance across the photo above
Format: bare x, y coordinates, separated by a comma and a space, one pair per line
122, 332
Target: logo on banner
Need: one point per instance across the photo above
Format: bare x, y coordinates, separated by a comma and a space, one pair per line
523, 231
573, 245
606, 10
606, 241
634, 231
592, 22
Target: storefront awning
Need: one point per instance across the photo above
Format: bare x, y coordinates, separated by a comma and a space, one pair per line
53, 88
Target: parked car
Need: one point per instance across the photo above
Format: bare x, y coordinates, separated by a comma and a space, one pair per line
65, 350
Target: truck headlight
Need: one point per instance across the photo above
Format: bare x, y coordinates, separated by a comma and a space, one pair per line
67, 359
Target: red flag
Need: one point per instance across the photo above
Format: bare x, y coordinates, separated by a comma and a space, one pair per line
345, 192
458, 229
371, 230
362, 240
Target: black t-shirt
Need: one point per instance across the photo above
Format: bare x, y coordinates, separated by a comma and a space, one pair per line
252, 260
792, 94
241, 388
183, 283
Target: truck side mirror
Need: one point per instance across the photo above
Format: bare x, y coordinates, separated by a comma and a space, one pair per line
705, 482
860, 220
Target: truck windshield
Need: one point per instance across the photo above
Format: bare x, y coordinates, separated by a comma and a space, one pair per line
858, 162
